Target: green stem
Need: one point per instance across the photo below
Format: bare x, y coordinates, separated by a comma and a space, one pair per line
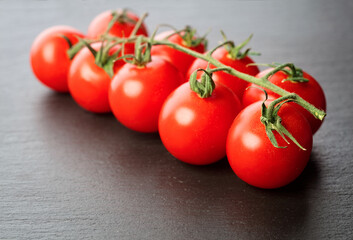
273, 104
111, 22
138, 25
262, 82
224, 69
221, 45
280, 68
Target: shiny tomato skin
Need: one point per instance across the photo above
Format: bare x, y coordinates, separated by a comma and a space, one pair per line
180, 60
237, 85
136, 94
194, 130
310, 91
255, 160
100, 23
48, 56
89, 83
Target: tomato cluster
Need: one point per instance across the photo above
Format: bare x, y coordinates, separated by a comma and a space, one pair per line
201, 113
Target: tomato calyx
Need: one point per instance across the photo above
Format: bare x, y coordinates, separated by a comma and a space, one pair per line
122, 17
235, 51
273, 122
142, 54
295, 74
205, 87
73, 48
188, 35
102, 57
190, 39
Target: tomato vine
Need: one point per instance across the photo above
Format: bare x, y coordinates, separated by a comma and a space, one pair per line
144, 43
262, 82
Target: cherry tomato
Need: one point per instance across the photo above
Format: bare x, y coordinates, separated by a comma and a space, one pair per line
136, 94
194, 129
310, 91
89, 83
181, 60
253, 157
121, 28
237, 85
49, 60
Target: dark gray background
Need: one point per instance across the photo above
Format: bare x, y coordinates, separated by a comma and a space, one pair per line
69, 174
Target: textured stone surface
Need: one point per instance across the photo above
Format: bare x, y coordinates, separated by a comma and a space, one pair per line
69, 174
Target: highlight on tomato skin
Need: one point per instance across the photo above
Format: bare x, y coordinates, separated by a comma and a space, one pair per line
201, 121
89, 83
181, 60
48, 56
236, 84
194, 129
310, 91
121, 28
255, 160
136, 94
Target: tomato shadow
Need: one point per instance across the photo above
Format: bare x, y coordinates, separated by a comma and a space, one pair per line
137, 166
77, 137
308, 179
216, 198
279, 213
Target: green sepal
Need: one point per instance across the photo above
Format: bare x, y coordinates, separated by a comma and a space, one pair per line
189, 37
273, 122
295, 74
102, 57
235, 51
109, 60
138, 47
147, 53
74, 49
142, 52
296, 79
90, 48
123, 17
67, 40
111, 23
118, 17
109, 67
203, 88
99, 57
188, 34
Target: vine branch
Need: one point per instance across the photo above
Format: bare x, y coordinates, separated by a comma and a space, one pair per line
262, 82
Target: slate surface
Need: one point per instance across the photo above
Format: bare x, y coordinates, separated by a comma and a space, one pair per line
69, 174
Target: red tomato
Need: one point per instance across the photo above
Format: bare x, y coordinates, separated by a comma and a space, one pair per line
253, 157
120, 28
137, 93
194, 129
89, 83
49, 60
237, 85
181, 60
310, 91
